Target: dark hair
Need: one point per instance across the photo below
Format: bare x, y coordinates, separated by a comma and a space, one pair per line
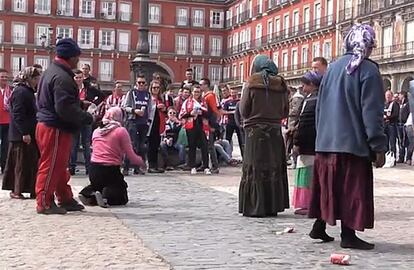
171, 108
170, 87
86, 65
2, 70
37, 66
189, 69
404, 93
321, 60
77, 71
207, 80
185, 87
194, 86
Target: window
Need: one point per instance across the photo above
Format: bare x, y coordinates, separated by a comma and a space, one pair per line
387, 37
108, 10
317, 15
277, 27
260, 6
409, 37
316, 50
304, 55
285, 60
258, 35
86, 38
330, 11
234, 70
123, 41
270, 30
181, 42
154, 13
1, 32
198, 18
198, 71
215, 46
294, 59
286, 25
241, 65
276, 58
42, 60
42, 6
306, 18
327, 50
1, 60
18, 62
1, 7
154, 42
125, 12
105, 70
42, 30
87, 8
296, 22
19, 33
229, 18
216, 19
197, 44
182, 16
65, 8
64, 32
226, 72
20, 5
107, 39
214, 73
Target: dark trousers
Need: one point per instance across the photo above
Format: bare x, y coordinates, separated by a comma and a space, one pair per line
402, 142
84, 136
154, 141
391, 132
138, 134
212, 151
410, 139
109, 181
4, 136
230, 129
196, 137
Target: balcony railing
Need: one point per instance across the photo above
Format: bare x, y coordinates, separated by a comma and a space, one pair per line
296, 69
234, 80
345, 14
370, 7
294, 31
393, 51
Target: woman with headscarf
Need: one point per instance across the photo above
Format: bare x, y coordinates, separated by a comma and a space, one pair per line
349, 137
110, 143
264, 184
304, 138
23, 154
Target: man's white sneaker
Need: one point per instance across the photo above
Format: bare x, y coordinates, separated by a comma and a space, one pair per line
194, 171
207, 171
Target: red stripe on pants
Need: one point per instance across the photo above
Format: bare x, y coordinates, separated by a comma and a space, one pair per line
53, 175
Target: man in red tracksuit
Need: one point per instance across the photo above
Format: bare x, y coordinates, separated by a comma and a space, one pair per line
59, 116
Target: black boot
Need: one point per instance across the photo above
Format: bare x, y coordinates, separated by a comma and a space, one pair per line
350, 240
319, 231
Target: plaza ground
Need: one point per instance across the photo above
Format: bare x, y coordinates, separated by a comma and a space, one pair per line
179, 221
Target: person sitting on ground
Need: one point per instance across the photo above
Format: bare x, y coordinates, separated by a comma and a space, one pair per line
110, 142
224, 149
169, 141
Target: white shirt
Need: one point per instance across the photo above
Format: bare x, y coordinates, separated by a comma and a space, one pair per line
409, 120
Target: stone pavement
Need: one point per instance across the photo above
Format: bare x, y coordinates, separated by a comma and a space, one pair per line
192, 223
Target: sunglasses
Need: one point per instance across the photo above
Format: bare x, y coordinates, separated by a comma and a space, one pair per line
172, 113
154, 87
141, 82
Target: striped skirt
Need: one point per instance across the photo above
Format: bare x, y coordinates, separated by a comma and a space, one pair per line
303, 181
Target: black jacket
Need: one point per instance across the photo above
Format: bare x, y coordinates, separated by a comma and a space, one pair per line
58, 101
22, 113
395, 112
94, 95
404, 112
305, 135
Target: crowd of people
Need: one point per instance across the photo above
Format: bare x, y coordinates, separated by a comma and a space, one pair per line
332, 130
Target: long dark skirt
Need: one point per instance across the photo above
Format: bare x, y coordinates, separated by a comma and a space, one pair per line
109, 181
263, 188
343, 189
21, 167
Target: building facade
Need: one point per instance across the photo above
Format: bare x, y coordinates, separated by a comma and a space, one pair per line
217, 38
393, 21
182, 34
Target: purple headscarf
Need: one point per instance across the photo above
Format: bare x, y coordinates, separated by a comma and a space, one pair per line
359, 41
312, 77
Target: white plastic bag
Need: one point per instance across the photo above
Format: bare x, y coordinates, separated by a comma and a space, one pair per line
389, 159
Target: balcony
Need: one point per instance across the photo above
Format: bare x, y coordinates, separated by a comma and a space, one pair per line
233, 80
346, 14
292, 32
370, 7
393, 52
258, 10
238, 19
295, 70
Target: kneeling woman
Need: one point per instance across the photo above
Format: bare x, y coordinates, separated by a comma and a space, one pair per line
110, 142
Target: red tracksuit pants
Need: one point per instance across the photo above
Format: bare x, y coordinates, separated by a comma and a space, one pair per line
53, 175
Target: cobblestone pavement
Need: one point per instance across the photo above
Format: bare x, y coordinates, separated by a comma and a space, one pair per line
192, 223
94, 239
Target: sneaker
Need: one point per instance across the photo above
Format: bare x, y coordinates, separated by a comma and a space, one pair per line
72, 205
139, 171
125, 172
102, 202
52, 210
207, 171
193, 171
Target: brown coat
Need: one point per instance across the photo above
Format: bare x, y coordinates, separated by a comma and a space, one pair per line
257, 107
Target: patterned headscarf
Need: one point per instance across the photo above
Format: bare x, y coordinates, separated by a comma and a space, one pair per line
360, 41
312, 77
112, 120
23, 77
266, 67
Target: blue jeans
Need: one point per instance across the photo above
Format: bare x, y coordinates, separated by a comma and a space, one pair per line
84, 136
392, 133
402, 142
223, 148
138, 134
179, 147
410, 137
